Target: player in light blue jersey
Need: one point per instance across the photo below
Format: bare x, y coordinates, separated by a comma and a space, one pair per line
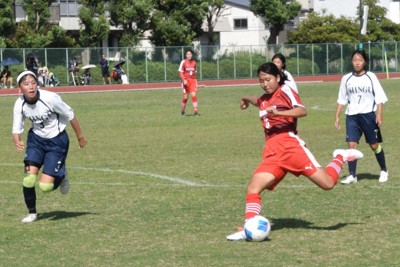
364, 96
47, 142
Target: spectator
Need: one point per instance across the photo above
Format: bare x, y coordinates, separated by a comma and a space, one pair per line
32, 65
105, 69
6, 77
73, 69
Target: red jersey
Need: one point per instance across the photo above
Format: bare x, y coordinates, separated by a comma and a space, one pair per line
187, 69
283, 98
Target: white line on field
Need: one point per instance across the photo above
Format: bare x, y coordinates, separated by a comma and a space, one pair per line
153, 175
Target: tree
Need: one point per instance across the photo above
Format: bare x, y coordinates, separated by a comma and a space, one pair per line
177, 22
7, 25
324, 29
95, 26
132, 17
36, 31
379, 27
215, 9
276, 13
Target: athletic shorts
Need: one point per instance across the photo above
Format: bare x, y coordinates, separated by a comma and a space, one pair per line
359, 124
105, 73
50, 153
284, 153
190, 87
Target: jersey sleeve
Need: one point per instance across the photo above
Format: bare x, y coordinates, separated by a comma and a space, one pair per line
18, 118
380, 96
61, 108
342, 96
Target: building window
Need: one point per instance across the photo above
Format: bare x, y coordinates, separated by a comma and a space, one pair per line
240, 24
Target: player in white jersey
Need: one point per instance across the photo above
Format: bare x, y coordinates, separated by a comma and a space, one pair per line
280, 61
47, 142
364, 96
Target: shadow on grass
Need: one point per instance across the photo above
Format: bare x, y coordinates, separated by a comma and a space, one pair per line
278, 224
58, 215
367, 176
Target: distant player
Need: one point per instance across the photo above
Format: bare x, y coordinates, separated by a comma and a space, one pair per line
187, 71
284, 151
280, 61
363, 94
47, 142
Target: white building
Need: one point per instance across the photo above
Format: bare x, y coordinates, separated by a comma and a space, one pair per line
236, 26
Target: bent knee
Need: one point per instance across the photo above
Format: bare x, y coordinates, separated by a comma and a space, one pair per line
46, 187
29, 181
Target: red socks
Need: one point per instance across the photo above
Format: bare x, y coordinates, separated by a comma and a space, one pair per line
334, 168
253, 205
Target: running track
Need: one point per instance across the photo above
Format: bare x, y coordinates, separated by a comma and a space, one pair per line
172, 85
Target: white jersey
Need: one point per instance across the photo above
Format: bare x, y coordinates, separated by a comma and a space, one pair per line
290, 81
49, 115
361, 93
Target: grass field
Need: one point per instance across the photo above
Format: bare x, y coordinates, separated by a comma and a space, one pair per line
154, 188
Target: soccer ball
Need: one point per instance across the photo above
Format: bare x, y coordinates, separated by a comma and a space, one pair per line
257, 228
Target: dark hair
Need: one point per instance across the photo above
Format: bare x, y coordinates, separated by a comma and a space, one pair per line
363, 55
282, 58
271, 68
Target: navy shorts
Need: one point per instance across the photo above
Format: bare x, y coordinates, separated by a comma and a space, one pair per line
50, 153
359, 124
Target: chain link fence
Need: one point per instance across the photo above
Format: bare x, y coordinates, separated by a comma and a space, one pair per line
160, 64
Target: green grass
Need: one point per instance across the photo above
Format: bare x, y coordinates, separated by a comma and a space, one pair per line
153, 188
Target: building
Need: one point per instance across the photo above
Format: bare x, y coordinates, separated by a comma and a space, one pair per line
236, 25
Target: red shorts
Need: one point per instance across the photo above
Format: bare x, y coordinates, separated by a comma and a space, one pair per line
190, 87
285, 153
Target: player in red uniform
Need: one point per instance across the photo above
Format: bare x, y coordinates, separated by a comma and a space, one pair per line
284, 151
187, 72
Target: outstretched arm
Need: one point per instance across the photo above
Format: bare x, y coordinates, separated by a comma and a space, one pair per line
246, 100
79, 135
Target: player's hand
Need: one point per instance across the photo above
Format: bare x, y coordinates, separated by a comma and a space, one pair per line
184, 82
244, 104
82, 142
20, 146
337, 125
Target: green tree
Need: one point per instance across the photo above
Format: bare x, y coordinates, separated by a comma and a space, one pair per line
215, 9
36, 31
177, 22
95, 26
7, 25
379, 27
324, 29
276, 14
132, 16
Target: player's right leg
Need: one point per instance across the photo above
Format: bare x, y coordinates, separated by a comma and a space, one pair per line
28, 189
259, 182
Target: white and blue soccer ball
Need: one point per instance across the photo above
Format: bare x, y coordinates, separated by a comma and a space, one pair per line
257, 228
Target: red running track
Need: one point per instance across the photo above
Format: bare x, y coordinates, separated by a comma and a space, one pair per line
172, 85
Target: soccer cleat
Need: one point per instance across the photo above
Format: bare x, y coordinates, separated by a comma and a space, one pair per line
384, 176
348, 154
183, 113
64, 186
196, 113
30, 218
238, 236
349, 180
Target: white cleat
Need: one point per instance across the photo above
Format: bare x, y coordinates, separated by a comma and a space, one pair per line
238, 236
349, 180
348, 154
64, 186
384, 176
30, 218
